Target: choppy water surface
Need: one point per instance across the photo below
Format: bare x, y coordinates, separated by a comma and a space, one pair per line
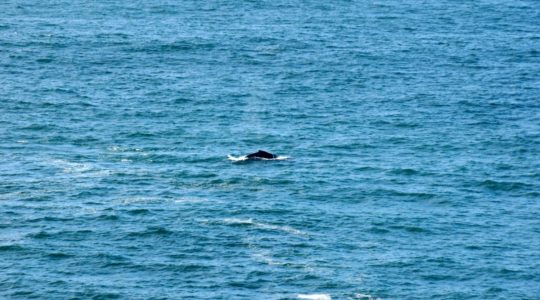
412, 130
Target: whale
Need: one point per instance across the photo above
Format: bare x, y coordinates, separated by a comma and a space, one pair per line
261, 154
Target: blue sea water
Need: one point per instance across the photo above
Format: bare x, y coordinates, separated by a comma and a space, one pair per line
412, 130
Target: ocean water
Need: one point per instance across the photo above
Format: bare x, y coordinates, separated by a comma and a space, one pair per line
412, 131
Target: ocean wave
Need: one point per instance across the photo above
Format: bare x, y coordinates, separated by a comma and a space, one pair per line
412, 229
59, 255
505, 186
160, 47
151, 231
404, 171
11, 247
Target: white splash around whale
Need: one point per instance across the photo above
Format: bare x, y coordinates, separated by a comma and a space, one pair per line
245, 158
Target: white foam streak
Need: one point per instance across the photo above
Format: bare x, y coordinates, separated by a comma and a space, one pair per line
190, 200
237, 158
315, 296
123, 149
71, 167
137, 199
267, 226
154, 199
282, 228
267, 259
365, 297
79, 169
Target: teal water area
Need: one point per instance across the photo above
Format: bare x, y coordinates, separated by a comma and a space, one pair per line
412, 130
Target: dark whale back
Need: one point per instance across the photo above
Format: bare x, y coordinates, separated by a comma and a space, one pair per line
261, 154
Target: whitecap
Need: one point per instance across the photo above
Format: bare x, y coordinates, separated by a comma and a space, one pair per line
71, 167
364, 297
123, 149
137, 199
237, 221
115, 149
314, 296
